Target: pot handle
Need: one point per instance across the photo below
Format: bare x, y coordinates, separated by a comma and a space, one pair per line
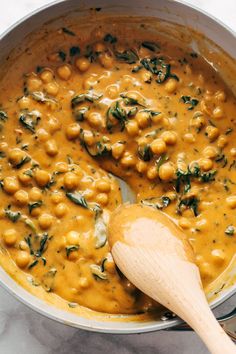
228, 323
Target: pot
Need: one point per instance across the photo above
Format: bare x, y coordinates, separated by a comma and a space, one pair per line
165, 10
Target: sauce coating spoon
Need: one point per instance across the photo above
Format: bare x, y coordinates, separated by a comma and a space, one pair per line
155, 255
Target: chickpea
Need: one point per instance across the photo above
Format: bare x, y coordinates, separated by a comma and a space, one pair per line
102, 198
57, 197
23, 245
25, 177
141, 166
171, 85
51, 147
212, 132
95, 119
71, 181
88, 137
84, 282
210, 152
152, 172
22, 259
82, 64
169, 137
53, 125
24, 102
117, 150
64, 72
220, 96
106, 60
206, 270
72, 131
112, 91
166, 171
16, 156
42, 177
205, 164
34, 83
42, 135
62, 167
198, 121
218, 113
46, 76
128, 160
143, 119
132, 128
218, 256
61, 210
35, 194
21, 197
73, 238
45, 221
233, 152
52, 88
158, 146
89, 193
231, 201
158, 118
10, 185
184, 223
103, 186
222, 141
189, 138
10, 237
147, 77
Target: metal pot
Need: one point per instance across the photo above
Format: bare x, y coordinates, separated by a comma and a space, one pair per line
167, 10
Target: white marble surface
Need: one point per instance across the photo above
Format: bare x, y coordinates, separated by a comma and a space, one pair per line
23, 331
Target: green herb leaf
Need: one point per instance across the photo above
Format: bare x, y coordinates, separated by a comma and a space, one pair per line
145, 152
33, 264
14, 216
67, 31
42, 246
131, 101
23, 162
161, 159
221, 159
78, 199
29, 120
190, 203
230, 230
129, 56
154, 47
62, 55
109, 38
70, 249
83, 97
157, 203
192, 102
75, 50
3, 116
34, 205
97, 272
100, 232
117, 112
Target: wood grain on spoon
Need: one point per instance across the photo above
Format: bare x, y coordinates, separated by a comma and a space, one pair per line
154, 254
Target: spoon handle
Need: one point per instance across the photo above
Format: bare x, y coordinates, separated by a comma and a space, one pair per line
154, 273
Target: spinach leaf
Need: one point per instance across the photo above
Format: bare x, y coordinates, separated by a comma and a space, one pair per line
14, 216
67, 31
154, 47
157, 202
110, 38
230, 230
78, 199
191, 102
34, 205
129, 56
23, 162
145, 152
70, 249
3, 116
75, 50
190, 203
29, 120
97, 272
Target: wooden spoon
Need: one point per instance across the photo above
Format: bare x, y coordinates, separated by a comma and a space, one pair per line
154, 254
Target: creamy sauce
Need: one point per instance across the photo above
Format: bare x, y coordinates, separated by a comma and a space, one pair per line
81, 104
